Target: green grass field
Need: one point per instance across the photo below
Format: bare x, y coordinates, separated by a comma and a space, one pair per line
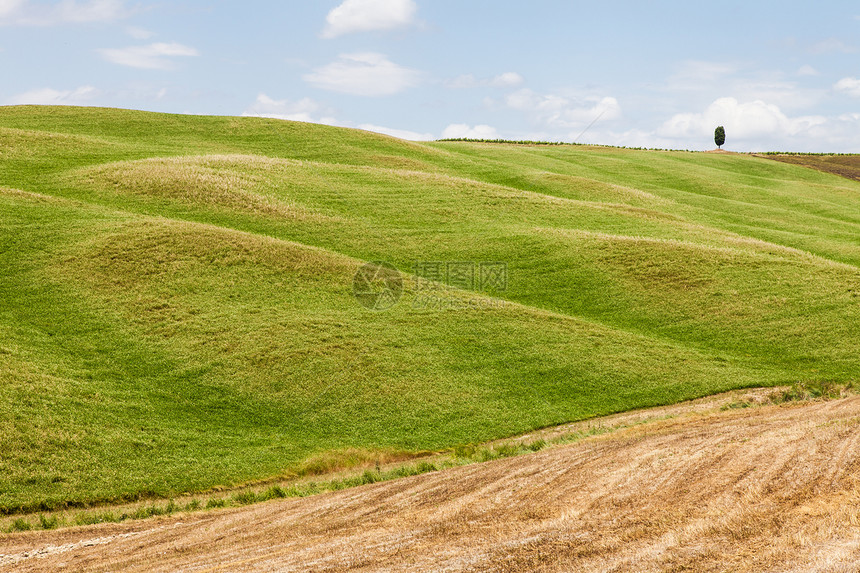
176, 305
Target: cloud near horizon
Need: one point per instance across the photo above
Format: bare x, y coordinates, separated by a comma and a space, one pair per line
745, 120
305, 109
564, 112
311, 111
399, 133
465, 131
48, 96
363, 74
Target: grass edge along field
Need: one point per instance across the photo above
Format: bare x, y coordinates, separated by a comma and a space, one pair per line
346, 469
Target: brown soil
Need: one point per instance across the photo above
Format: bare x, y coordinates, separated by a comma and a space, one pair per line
770, 488
844, 165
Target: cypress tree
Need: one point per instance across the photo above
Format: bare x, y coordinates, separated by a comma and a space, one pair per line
719, 136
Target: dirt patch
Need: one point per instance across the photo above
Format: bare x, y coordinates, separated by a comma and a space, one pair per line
847, 166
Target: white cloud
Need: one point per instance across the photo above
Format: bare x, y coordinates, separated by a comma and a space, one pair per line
154, 56
464, 131
305, 109
10, 7
505, 80
367, 15
807, 70
850, 86
831, 45
27, 13
702, 80
559, 111
139, 33
93, 11
366, 74
463, 82
691, 74
639, 138
48, 96
399, 133
754, 121
786, 95
311, 111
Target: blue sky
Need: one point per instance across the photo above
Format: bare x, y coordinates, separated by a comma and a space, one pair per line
778, 76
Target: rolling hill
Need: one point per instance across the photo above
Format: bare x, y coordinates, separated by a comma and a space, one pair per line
177, 308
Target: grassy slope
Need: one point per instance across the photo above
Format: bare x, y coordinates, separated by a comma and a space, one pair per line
176, 312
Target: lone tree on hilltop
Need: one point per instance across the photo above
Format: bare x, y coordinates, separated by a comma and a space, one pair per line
719, 136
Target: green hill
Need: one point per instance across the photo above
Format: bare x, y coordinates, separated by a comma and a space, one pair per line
177, 309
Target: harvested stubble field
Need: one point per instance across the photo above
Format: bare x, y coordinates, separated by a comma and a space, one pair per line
769, 488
